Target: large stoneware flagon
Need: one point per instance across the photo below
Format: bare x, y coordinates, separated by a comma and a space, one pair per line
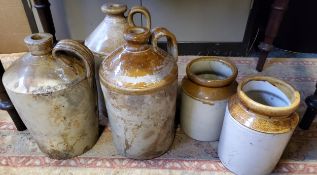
139, 82
108, 36
54, 92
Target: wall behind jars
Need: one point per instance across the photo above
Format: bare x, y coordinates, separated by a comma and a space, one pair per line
190, 21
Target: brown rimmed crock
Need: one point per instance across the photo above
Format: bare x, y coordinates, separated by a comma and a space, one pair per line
210, 89
262, 116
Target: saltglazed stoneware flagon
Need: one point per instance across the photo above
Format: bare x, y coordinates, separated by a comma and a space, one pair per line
108, 36
139, 82
53, 90
258, 124
209, 83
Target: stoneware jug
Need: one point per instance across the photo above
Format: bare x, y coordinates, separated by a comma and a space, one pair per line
139, 82
258, 124
54, 93
108, 36
209, 83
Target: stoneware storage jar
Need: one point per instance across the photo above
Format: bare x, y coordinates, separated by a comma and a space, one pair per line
54, 93
108, 36
210, 81
139, 82
258, 124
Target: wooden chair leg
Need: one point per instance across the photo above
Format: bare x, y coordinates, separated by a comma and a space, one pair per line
311, 111
45, 15
6, 104
273, 25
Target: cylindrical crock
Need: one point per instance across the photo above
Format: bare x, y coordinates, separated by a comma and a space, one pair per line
139, 82
53, 90
209, 83
258, 124
108, 36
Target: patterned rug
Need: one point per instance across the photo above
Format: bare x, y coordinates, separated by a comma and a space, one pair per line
19, 153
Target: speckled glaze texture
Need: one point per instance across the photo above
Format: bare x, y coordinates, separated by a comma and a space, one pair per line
55, 95
139, 82
209, 83
259, 121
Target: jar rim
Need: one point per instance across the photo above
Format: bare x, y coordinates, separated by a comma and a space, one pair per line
271, 111
214, 82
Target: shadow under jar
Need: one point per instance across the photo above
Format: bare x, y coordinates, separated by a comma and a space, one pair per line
258, 124
210, 81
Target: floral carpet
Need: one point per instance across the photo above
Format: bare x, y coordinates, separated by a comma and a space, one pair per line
19, 153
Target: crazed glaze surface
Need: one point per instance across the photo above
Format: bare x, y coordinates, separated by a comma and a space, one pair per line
55, 95
142, 125
139, 82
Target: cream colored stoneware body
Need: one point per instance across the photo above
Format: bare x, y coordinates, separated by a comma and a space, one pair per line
258, 124
55, 95
142, 125
245, 151
209, 82
202, 121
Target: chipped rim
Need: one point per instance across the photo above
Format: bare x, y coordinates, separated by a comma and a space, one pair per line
212, 83
292, 94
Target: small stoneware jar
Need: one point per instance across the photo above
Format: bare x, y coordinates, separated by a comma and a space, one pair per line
258, 124
53, 90
108, 36
209, 83
139, 82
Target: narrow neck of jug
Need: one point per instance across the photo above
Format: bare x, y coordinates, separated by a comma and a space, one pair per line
114, 10
39, 43
137, 39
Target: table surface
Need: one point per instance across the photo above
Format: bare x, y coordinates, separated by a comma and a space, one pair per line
19, 153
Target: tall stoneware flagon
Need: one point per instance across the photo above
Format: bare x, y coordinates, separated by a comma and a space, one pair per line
258, 124
139, 82
53, 90
108, 36
206, 88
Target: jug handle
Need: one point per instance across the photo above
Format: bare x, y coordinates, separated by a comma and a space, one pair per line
144, 11
72, 47
159, 32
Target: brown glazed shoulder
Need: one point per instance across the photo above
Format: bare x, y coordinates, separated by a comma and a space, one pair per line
259, 122
208, 94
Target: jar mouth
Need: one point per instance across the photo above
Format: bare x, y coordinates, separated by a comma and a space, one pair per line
268, 96
137, 35
39, 43
211, 71
114, 9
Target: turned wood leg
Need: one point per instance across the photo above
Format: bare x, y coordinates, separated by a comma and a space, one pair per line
45, 15
311, 111
273, 25
6, 104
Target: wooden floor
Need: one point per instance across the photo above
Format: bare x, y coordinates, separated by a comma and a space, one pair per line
19, 153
